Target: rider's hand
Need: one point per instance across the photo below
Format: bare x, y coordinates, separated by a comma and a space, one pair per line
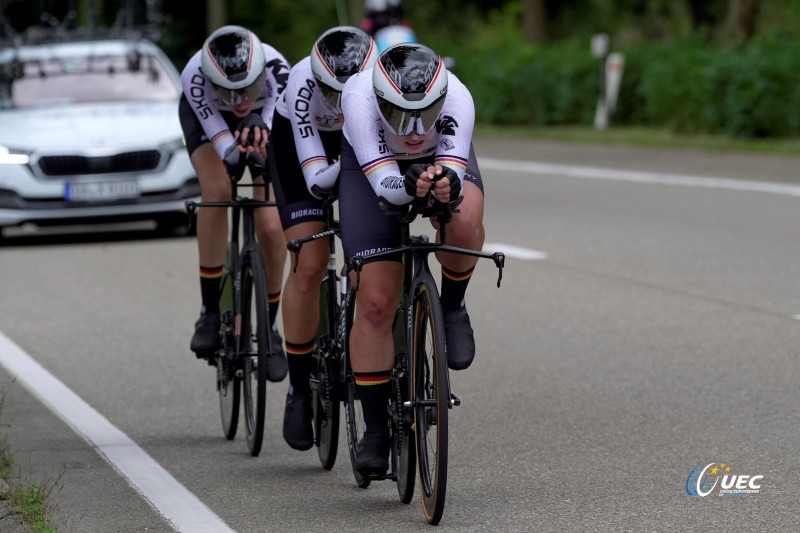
446, 185
252, 134
418, 179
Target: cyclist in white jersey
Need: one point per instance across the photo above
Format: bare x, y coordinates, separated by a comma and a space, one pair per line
407, 121
230, 88
305, 143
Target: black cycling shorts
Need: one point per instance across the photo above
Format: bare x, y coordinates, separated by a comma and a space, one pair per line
366, 229
295, 203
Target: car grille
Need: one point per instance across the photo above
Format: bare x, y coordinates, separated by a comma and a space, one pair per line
72, 165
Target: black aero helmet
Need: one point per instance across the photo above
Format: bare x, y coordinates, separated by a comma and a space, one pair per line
233, 62
410, 83
338, 54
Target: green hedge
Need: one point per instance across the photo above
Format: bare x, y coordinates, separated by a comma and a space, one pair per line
751, 91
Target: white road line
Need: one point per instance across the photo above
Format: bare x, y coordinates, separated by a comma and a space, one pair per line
182, 509
526, 254
796, 317
533, 167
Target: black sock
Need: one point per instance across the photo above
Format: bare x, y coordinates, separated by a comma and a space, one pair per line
274, 300
210, 278
373, 390
454, 286
299, 358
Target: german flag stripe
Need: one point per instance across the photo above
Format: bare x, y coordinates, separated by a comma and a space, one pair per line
372, 166
457, 276
274, 297
299, 349
219, 136
211, 272
452, 162
373, 378
310, 162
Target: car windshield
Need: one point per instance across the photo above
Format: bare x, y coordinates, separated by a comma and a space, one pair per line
77, 80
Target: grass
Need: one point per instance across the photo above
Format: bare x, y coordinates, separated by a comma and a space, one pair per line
646, 137
28, 500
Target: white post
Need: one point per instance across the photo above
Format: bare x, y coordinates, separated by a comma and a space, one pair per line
600, 51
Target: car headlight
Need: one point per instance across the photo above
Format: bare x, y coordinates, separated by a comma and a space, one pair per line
10, 156
174, 146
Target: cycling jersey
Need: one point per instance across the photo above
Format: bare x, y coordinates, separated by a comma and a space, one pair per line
207, 106
309, 113
378, 149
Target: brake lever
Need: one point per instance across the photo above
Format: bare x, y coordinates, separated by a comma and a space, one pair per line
295, 246
499, 261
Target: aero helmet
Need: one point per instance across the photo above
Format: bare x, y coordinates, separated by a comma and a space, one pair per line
338, 54
233, 62
410, 83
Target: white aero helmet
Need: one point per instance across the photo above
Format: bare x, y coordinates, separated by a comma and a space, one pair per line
410, 83
337, 54
233, 62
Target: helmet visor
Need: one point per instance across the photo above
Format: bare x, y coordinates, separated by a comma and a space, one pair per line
237, 96
331, 95
406, 122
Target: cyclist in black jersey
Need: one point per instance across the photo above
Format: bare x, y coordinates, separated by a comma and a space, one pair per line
230, 88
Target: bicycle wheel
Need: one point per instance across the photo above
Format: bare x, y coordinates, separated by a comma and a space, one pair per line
228, 385
430, 400
353, 413
254, 344
402, 427
324, 393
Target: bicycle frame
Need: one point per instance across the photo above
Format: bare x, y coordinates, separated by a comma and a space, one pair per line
415, 251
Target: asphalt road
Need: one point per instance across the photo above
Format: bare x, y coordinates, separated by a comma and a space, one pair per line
660, 334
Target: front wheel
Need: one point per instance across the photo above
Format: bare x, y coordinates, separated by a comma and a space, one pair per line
430, 397
252, 324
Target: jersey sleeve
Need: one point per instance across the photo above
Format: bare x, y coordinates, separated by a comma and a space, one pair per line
277, 76
302, 100
197, 91
455, 125
363, 128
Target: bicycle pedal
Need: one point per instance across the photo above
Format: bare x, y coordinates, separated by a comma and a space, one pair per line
454, 401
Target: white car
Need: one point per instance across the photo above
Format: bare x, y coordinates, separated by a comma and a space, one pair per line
89, 132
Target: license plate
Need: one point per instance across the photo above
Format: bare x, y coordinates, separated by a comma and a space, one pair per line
101, 190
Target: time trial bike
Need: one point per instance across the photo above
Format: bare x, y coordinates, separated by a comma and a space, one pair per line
245, 334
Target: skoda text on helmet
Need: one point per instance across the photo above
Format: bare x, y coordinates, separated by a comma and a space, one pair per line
233, 62
410, 83
338, 54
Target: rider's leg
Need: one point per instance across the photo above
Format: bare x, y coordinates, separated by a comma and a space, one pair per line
269, 234
465, 230
372, 356
212, 232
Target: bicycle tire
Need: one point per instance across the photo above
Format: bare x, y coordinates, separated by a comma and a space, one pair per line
402, 428
228, 384
324, 392
430, 400
353, 414
254, 345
